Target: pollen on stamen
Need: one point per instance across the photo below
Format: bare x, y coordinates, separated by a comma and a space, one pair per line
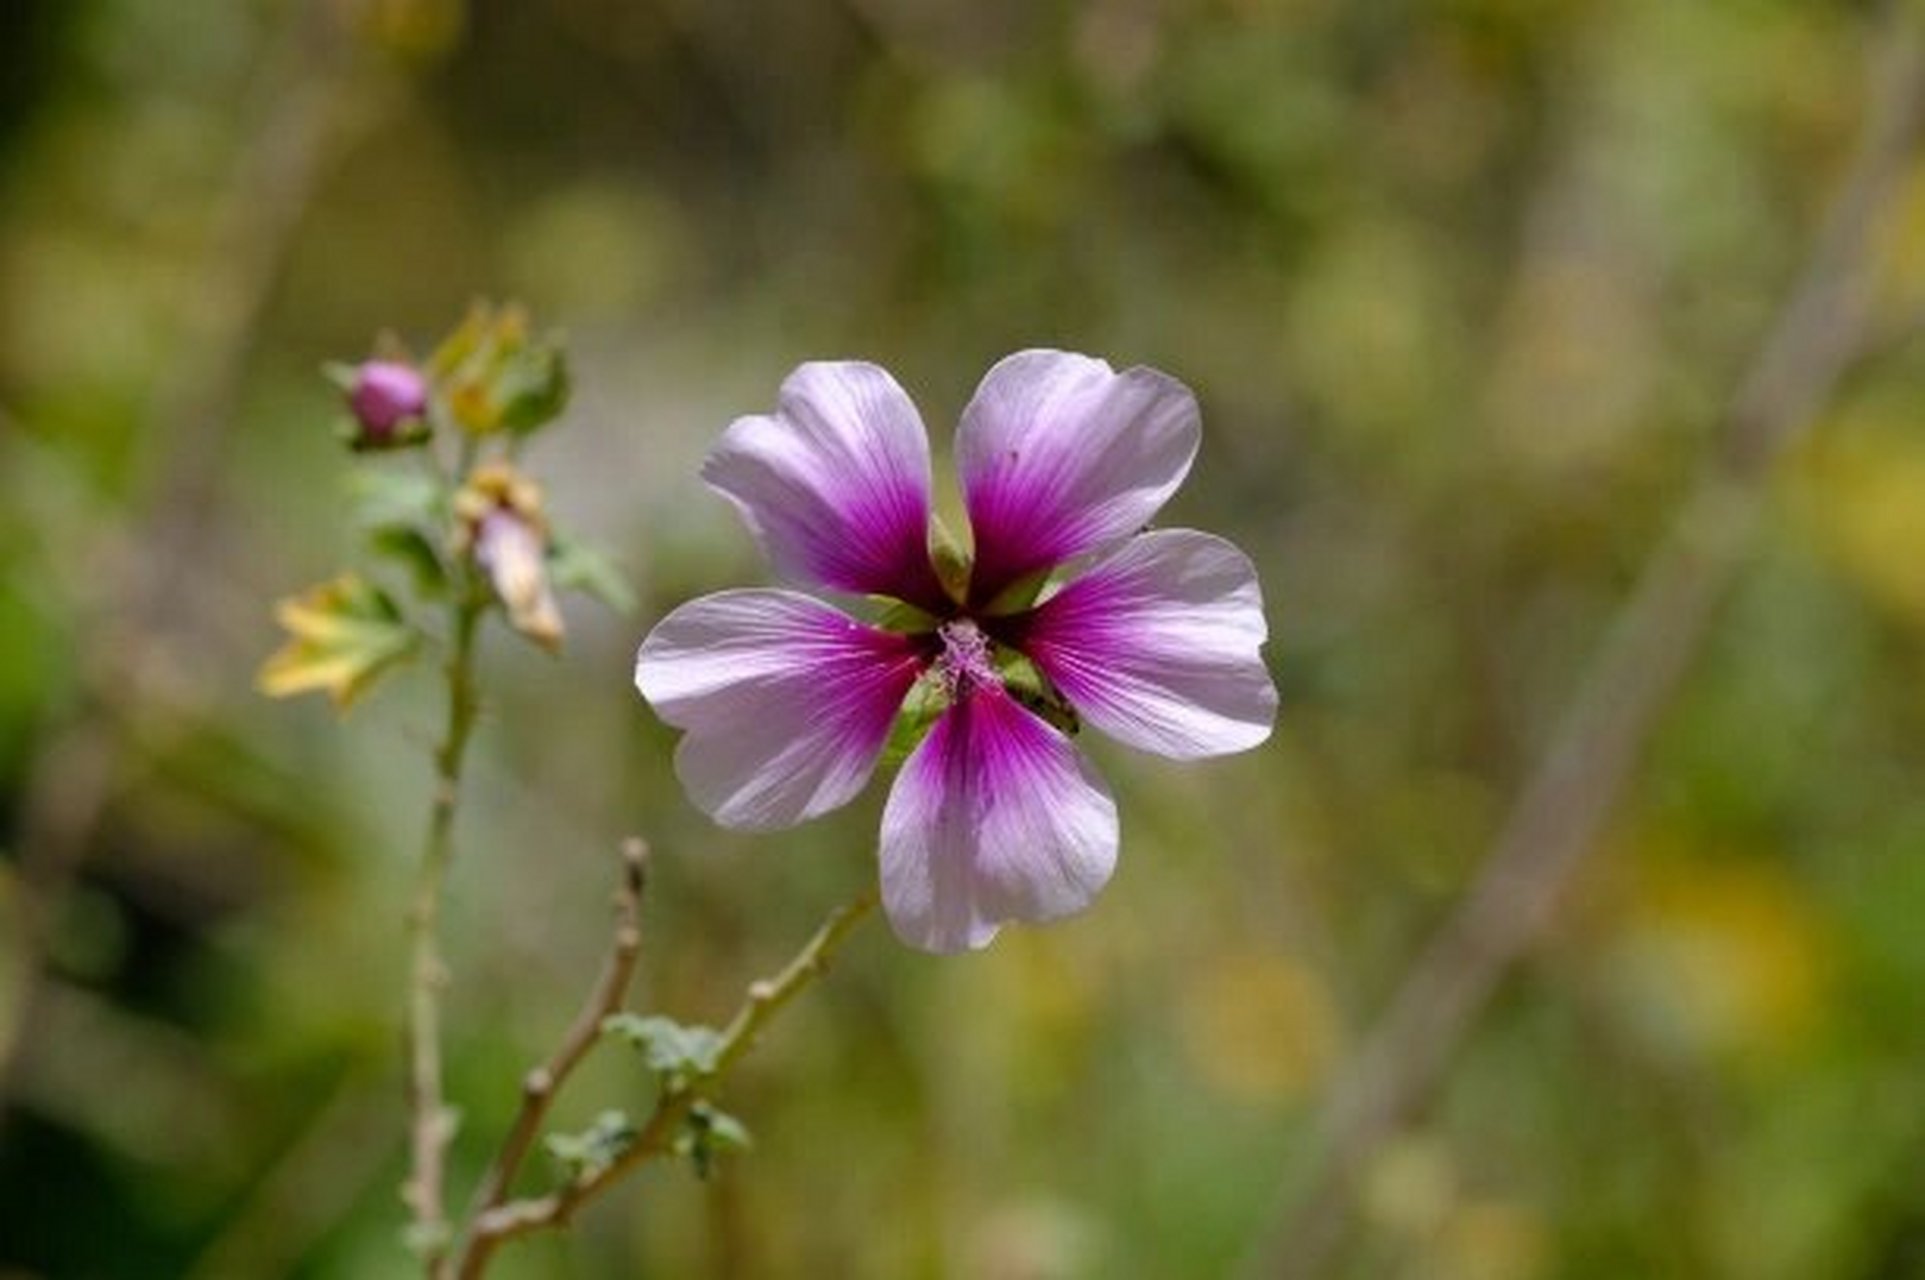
964, 663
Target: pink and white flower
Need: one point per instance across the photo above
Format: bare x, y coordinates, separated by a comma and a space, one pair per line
787, 703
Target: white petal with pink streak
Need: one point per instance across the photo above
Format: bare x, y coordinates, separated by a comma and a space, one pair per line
1060, 455
996, 817
786, 702
835, 484
1159, 646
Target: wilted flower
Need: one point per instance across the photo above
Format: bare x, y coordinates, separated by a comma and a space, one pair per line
501, 522
1152, 637
388, 399
341, 636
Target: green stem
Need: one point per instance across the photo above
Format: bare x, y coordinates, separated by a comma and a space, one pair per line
767, 997
432, 1124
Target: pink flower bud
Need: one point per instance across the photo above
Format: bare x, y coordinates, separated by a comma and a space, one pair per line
386, 394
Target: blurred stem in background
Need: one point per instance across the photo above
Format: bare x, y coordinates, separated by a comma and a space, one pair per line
1820, 331
303, 86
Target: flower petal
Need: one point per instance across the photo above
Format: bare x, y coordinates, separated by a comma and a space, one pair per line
835, 484
1158, 646
995, 817
786, 702
1059, 456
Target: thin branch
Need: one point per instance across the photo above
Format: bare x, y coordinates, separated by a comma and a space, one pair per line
1562, 809
768, 997
765, 999
539, 1087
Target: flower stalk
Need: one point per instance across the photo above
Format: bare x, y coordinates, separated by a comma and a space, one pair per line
431, 1122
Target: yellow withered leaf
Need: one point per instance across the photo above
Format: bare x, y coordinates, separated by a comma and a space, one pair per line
342, 634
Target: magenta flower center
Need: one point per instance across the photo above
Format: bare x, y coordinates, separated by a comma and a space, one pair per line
964, 663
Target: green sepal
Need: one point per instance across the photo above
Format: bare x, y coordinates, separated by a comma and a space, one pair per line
1025, 682
950, 559
406, 435
575, 565
927, 700
600, 1145
901, 616
1018, 595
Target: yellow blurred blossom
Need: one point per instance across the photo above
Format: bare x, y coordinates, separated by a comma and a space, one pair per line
1260, 1027
1722, 956
1494, 1240
1863, 494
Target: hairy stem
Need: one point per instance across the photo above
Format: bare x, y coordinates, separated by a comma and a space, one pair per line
431, 1123
764, 1000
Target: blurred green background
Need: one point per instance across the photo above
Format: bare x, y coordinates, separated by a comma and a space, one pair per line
1461, 285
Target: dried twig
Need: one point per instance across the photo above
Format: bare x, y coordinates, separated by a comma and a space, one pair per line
1562, 809
657, 1136
539, 1086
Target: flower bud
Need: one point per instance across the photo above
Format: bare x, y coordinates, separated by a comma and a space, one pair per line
388, 400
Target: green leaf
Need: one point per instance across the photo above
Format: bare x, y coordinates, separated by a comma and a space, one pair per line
723, 1131
681, 1054
576, 566
418, 553
707, 1133
531, 387
341, 636
385, 498
594, 1148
